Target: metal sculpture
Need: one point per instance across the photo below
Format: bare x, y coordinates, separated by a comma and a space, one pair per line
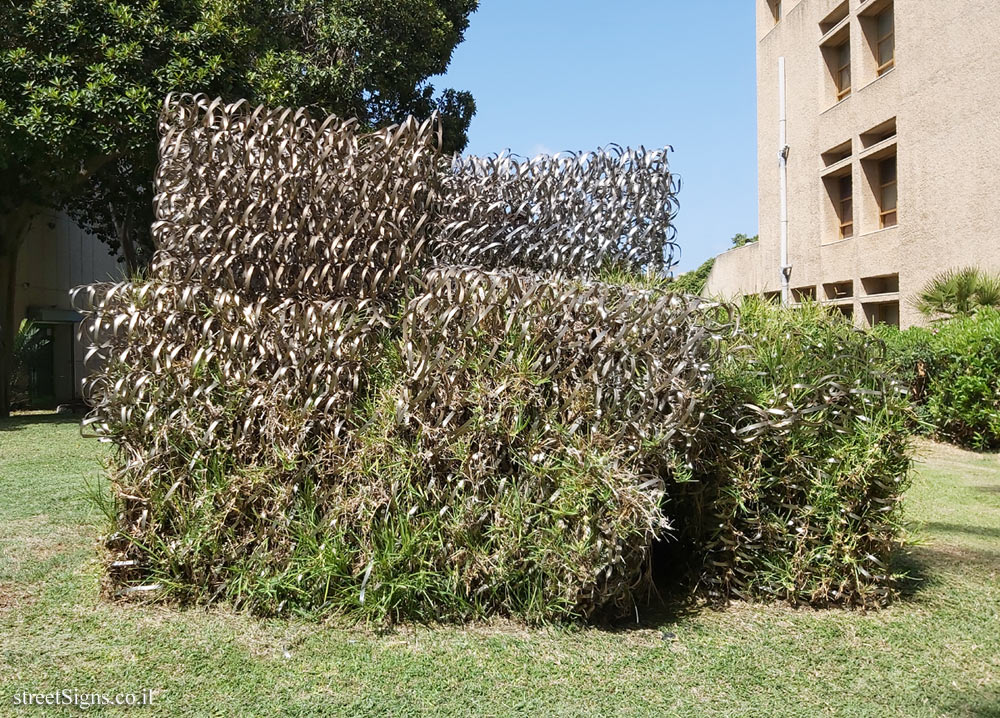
570, 213
297, 258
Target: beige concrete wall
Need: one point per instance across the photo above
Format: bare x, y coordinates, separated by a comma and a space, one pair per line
736, 272
57, 255
941, 94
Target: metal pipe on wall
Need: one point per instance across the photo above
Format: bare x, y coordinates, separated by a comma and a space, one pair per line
783, 179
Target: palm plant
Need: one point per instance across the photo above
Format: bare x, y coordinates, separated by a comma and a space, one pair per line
29, 342
959, 292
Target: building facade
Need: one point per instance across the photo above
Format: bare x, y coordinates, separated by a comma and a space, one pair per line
57, 256
878, 153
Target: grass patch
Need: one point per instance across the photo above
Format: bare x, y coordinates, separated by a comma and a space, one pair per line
937, 652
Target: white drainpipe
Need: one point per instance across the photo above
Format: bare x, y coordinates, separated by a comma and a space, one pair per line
783, 173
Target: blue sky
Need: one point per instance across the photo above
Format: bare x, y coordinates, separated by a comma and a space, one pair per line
552, 75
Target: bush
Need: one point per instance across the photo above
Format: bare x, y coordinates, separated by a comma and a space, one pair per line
500, 455
953, 372
959, 293
803, 499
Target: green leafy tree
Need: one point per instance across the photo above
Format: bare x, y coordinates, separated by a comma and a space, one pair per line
693, 282
81, 83
741, 240
959, 293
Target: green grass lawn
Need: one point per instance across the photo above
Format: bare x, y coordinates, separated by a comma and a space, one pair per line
935, 652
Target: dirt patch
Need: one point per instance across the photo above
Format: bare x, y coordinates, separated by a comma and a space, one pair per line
13, 597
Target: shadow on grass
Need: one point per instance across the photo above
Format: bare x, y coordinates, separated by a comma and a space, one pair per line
982, 531
913, 564
660, 611
18, 422
985, 704
673, 597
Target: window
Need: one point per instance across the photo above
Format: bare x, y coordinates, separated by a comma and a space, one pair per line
885, 284
804, 294
845, 206
882, 313
836, 154
775, 9
835, 18
888, 216
885, 41
842, 70
844, 310
879, 133
839, 290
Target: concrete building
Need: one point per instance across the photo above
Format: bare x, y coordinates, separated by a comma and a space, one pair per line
888, 155
57, 255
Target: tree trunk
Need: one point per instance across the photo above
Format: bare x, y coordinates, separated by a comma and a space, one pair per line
8, 324
123, 228
15, 226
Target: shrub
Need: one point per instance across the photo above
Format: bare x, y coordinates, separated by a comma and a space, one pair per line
510, 483
953, 371
803, 499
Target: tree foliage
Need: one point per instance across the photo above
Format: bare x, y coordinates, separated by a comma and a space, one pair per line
81, 83
693, 282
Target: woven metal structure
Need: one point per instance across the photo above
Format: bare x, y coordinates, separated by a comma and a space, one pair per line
570, 213
294, 254
598, 351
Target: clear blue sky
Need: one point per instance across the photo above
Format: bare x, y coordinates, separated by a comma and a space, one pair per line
552, 75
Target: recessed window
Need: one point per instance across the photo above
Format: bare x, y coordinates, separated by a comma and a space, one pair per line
885, 284
844, 310
845, 206
882, 313
835, 18
839, 290
888, 216
885, 41
804, 294
879, 133
775, 9
836, 154
842, 70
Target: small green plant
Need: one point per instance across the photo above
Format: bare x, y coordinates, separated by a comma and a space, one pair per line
693, 282
959, 293
29, 344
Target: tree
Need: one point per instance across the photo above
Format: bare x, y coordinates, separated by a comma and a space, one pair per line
693, 282
81, 82
959, 292
741, 240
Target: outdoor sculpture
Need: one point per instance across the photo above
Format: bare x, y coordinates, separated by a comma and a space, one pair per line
362, 375
287, 249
